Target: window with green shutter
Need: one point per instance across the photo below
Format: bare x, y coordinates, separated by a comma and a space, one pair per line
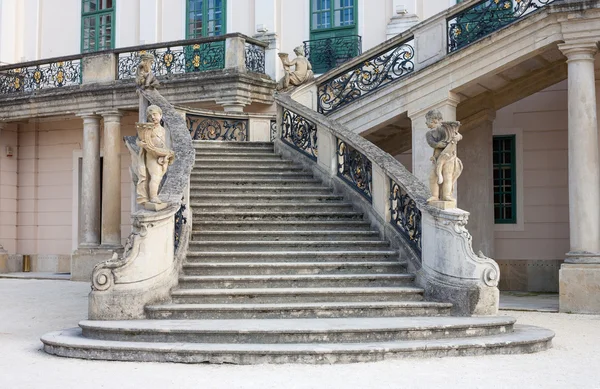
97, 25
505, 190
205, 18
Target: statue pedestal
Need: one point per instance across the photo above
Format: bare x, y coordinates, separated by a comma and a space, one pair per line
442, 204
155, 206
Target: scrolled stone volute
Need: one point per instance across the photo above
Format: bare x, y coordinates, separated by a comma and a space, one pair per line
451, 269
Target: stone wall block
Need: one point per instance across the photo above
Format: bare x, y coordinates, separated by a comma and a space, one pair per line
99, 68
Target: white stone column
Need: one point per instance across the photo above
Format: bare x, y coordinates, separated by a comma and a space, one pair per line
111, 180
584, 168
90, 182
579, 276
421, 152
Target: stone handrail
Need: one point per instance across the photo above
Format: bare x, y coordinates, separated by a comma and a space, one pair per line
436, 242
155, 250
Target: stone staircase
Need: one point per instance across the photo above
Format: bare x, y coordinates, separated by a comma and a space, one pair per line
279, 270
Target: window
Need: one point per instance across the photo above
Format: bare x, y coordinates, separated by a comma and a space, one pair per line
333, 33
97, 25
205, 18
504, 160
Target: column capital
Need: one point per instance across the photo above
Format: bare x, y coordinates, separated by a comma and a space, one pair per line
113, 115
450, 99
88, 116
579, 51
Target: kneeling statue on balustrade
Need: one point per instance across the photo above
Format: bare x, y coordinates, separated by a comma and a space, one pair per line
302, 73
443, 138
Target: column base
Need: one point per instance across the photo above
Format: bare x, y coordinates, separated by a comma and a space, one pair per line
84, 259
583, 258
3, 262
579, 288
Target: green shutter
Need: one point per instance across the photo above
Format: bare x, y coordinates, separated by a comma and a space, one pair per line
504, 176
97, 25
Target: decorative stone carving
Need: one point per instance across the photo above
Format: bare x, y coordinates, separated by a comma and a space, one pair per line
144, 76
443, 138
150, 159
301, 74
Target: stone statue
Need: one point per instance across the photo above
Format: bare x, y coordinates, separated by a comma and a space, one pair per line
302, 73
144, 76
443, 138
150, 159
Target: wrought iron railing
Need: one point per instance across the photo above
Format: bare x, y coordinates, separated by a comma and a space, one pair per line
273, 130
299, 133
485, 17
40, 75
180, 220
176, 59
366, 77
355, 168
326, 54
255, 58
215, 128
404, 215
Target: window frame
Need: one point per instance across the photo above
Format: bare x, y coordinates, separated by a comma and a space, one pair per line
332, 10
97, 15
513, 179
205, 19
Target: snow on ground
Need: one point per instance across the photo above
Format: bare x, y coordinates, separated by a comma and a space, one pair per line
30, 308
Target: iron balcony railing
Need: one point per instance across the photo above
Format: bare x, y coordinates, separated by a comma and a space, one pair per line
176, 57
326, 54
394, 59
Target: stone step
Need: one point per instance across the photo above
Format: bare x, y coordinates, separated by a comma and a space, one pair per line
196, 189
298, 310
295, 281
71, 343
293, 256
289, 331
296, 206
206, 236
243, 168
295, 295
281, 225
255, 182
246, 162
215, 144
242, 154
299, 268
292, 245
225, 150
279, 215
208, 174
198, 197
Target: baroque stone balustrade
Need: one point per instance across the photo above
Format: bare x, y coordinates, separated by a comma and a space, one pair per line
435, 242
228, 51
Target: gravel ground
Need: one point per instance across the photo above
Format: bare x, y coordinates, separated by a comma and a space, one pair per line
30, 308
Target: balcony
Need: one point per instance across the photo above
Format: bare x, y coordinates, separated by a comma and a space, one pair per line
326, 54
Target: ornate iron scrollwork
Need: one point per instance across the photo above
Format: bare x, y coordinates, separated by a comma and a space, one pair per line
405, 215
355, 168
255, 58
180, 220
197, 57
369, 76
326, 54
299, 133
273, 126
214, 128
486, 17
43, 76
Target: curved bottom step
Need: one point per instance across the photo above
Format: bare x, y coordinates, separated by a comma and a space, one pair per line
71, 343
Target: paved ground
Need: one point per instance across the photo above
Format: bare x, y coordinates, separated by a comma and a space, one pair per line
30, 308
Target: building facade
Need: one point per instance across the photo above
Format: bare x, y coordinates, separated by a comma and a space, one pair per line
519, 161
